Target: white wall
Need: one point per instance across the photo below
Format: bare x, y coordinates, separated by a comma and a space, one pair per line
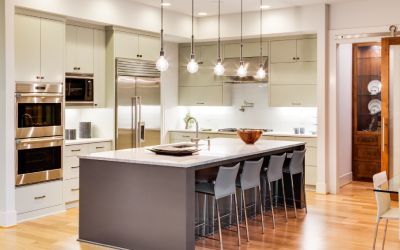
123, 13
102, 120
344, 85
7, 143
260, 116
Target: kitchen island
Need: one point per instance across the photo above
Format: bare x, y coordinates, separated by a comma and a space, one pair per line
136, 199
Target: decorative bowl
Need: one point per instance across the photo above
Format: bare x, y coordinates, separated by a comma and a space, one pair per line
249, 136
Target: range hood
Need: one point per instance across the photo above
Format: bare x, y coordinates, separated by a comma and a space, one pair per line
252, 64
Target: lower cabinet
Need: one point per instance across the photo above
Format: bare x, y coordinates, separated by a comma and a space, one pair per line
311, 146
71, 166
39, 196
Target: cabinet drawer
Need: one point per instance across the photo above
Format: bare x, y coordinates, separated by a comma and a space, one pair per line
367, 153
310, 142
311, 156
181, 136
372, 140
71, 190
75, 150
71, 167
38, 196
99, 147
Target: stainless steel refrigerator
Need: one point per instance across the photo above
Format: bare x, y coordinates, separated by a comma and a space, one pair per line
137, 111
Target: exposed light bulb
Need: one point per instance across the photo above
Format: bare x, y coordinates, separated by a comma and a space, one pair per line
162, 63
219, 69
260, 73
192, 66
242, 71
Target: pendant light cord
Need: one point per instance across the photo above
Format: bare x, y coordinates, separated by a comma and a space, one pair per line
241, 31
192, 55
162, 27
219, 30
261, 31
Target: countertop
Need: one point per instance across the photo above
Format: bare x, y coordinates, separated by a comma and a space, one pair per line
86, 141
283, 134
221, 149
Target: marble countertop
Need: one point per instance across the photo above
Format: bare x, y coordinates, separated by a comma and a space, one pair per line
283, 134
220, 149
86, 141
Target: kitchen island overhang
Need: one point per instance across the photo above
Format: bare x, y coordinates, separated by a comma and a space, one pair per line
135, 199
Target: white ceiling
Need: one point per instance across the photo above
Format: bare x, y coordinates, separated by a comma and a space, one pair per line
230, 6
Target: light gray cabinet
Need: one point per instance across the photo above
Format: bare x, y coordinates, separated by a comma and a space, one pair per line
294, 73
297, 50
136, 46
99, 55
79, 49
205, 95
296, 95
39, 49
250, 49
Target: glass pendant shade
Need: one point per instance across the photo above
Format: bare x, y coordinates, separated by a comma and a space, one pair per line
242, 71
162, 63
219, 69
192, 66
260, 73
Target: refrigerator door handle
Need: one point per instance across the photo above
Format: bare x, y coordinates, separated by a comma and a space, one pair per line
135, 134
140, 124
142, 131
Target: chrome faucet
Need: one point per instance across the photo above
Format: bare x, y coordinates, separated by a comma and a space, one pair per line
196, 139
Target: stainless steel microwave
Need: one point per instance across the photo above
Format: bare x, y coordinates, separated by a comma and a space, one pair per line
79, 89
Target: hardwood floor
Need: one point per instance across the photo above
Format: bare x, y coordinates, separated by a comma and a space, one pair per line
344, 221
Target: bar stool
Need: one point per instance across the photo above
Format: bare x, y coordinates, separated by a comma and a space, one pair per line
275, 173
296, 166
225, 186
250, 179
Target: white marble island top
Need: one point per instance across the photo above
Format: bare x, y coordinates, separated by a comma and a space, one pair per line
221, 149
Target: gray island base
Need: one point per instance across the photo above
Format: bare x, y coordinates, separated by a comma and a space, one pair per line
134, 199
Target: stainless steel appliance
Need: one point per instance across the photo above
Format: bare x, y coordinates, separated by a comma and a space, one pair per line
38, 159
79, 89
137, 103
252, 64
39, 110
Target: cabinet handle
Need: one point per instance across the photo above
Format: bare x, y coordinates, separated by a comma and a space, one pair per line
296, 103
75, 150
74, 189
137, 55
40, 197
38, 77
99, 147
74, 167
294, 58
75, 68
42, 77
185, 136
297, 58
200, 103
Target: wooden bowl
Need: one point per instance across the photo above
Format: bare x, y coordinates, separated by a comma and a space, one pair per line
249, 136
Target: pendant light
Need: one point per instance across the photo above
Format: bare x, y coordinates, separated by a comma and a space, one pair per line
162, 63
242, 71
261, 72
192, 66
219, 68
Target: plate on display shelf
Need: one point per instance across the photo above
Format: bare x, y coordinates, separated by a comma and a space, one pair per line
374, 106
374, 87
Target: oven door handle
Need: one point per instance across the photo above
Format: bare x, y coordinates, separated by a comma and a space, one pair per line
38, 95
56, 141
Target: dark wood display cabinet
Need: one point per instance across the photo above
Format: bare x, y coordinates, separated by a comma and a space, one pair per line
366, 110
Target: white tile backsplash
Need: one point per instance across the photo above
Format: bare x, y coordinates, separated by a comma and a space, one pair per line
102, 120
260, 116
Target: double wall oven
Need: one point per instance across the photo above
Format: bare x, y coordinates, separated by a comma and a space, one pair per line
39, 132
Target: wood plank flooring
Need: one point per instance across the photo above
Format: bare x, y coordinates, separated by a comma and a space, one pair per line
344, 221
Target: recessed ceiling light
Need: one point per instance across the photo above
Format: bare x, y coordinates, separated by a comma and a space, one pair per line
265, 6
202, 14
166, 4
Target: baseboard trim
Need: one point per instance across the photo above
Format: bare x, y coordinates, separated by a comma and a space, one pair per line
321, 188
40, 213
345, 179
8, 218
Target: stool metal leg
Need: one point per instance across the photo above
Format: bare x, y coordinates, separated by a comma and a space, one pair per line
230, 209
205, 208
294, 199
255, 202
376, 232
245, 215
304, 190
284, 198
219, 226
261, 209
237, 218
384, 235
213, 216
272, 204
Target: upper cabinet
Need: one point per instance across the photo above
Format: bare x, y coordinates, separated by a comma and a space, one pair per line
99, 54
39, 53
300, 50
79, 49
250, 49
136, 46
